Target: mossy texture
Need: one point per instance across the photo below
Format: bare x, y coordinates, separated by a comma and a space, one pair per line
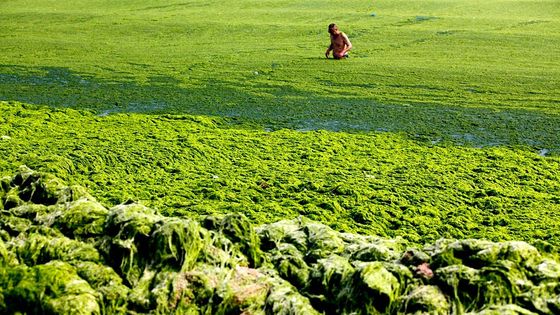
431, 70
50, 288
440, 147
86, 259
376, 183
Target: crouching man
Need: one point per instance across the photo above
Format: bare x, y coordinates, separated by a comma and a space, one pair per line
340, 44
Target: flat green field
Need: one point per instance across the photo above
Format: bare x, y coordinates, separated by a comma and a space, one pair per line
478, 72
444, 121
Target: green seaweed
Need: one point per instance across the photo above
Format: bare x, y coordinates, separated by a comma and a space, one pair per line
241, 232
284, 299
542, 299
39, 188
460, 283
107, 283
376, 290
427, 299
82, 218
79, 257
52, 288
423, 193
290, 264
503, 310
440, 148
34, 249
13, 225
31, 211
192, 293
126, 235
11, 199
175, 243
284, 231
327, 276
7, 257
373, 252
425, 69
220, 251
243, 290
322, 241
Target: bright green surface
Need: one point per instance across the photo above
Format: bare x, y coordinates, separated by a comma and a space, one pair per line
382, 183
476, 71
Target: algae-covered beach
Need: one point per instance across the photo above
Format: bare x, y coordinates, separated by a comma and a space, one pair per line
204, 157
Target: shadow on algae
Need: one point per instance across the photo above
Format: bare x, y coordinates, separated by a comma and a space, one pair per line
275, 107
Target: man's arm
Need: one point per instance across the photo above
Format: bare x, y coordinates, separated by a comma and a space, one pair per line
348, 44
331, 47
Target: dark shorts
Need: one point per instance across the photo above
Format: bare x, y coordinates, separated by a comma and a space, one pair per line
342, 57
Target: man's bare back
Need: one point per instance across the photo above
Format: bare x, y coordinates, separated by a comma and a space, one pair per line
340, 44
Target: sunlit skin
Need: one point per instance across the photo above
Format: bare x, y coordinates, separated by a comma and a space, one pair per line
340, 44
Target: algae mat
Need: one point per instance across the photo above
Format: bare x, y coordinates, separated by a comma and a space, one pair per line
426, 73
61, 252
477, 72
379, 184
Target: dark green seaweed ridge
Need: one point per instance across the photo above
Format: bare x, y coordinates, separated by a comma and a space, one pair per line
62, 252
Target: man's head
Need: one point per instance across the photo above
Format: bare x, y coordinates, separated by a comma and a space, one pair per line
333, 29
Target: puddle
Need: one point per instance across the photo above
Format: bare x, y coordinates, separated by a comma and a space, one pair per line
436, 141
467, 137
105, 113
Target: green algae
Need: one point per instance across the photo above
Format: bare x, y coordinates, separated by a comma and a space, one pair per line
34, 249
13, 225
241, 232
180, 167
376, 289
107, 283
426, 299
7, 257
191, 264
326, 279
291, 265
421, 85
424, 69
177, 244
127, 232
284, 299
82, 218
322, 241
50, 288
503, 309
142, 262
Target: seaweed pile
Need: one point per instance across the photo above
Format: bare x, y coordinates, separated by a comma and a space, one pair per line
62, 252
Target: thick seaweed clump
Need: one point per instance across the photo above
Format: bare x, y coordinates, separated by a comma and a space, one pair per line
62, 252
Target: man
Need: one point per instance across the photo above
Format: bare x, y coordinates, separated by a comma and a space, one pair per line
340, 44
